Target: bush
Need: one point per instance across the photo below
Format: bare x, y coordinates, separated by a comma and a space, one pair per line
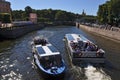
43, 19
5, 18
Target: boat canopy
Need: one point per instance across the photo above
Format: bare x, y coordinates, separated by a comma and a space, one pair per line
48, 50
76, 37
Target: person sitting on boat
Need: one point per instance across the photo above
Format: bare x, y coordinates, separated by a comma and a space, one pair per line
90, 47
44, 42
78, 50
80, 44
72, 44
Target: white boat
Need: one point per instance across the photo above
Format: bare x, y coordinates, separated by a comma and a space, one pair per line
47, 58
81, 49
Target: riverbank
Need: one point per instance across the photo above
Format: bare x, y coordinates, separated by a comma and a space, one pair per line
15, 32
60, 23
106, 33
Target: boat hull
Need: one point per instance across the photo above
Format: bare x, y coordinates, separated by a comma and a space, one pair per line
46, 74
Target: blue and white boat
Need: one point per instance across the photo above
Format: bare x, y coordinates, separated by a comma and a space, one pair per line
47, 58
81, 49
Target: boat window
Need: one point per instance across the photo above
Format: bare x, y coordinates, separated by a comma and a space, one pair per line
40, 50
51, 61
52, 48
83, 38
69, 37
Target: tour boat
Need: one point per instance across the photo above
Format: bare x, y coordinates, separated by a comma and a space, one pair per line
81, 49
47, 58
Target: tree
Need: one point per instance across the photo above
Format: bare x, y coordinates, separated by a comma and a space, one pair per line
116, 11
18, 15
28, 10
44, 15
60, 16
5, 18
103, 14
109, 12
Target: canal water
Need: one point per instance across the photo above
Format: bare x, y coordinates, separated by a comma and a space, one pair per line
16, 57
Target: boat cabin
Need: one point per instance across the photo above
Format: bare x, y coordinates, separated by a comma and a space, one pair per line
49, 56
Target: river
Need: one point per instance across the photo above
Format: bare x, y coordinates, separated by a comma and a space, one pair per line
16, 57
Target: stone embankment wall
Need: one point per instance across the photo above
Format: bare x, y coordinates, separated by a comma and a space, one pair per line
112, 33
14, 32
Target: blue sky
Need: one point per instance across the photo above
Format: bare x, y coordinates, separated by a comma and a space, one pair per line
75, 6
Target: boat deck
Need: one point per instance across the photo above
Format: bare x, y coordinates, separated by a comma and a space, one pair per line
79, 51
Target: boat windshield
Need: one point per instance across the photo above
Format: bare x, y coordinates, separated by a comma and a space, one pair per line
51, 61
70, 37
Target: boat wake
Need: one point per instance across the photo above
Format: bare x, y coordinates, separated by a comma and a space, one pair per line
93, 73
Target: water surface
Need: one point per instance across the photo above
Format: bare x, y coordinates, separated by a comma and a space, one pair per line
16, 57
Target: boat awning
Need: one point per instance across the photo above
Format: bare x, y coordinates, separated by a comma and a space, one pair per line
47, 50
69, 37
76, 37
72, 37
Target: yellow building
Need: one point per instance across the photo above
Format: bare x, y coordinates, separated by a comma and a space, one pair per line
5, 6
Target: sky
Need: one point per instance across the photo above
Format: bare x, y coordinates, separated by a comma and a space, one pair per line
76, 6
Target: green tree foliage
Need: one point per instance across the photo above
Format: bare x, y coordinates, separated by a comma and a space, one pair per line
49, 15
18, 15
44, 15
86, 18
116, 11
103, 13
109, 12
90, 19
28, 10
60, 16
5, 18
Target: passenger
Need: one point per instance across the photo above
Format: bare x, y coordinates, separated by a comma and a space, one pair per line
85, 45
72, 44
51, 64
78, 50
95, 48
44, 42
89, 47
80, 44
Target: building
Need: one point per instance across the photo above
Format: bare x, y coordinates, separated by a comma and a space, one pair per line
33, 17
5, 12
5, 6
83, 13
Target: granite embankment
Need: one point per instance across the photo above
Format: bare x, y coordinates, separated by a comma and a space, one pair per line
15, 32
112, 33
